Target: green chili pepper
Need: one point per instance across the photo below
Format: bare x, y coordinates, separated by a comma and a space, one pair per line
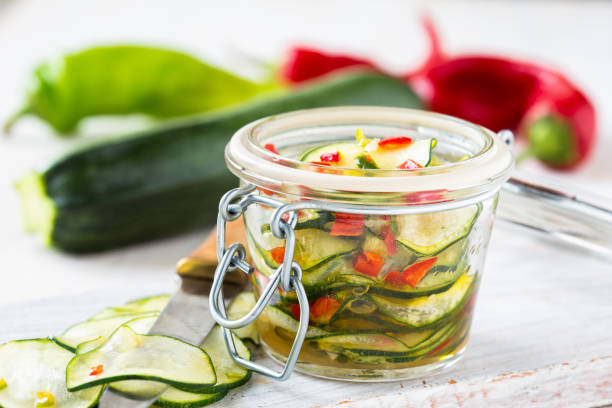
365, 162
129, 79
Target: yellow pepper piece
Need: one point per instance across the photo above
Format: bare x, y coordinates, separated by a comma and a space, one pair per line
44, 400
3, 384
361, 139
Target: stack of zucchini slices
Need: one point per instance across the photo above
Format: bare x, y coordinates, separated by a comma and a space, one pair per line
111, 350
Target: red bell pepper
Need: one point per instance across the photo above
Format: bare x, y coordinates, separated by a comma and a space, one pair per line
394, 142
271, 147
389, 239
303, 64
348, 225
412, 275
324, 308
333, 157
368, 263
295, 311
320, 163
409, 165
97, 370
278, 254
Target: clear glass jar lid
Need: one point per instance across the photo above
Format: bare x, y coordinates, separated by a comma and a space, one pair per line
488, 164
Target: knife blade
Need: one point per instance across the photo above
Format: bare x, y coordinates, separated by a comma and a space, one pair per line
186, 316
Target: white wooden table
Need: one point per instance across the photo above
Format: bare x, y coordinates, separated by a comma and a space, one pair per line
542, 334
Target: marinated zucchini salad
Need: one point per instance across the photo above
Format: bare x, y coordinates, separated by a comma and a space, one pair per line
109, 349
385, 291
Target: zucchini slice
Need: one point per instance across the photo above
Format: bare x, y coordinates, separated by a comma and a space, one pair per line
31, 366
348, 152
239, 307
308, 219
173, 398
314, 251
279, 318
366, 348
151, 304
433, 342
140, 325
91, 329
427, 310
229, 374
418, 151
430, 233
127, 355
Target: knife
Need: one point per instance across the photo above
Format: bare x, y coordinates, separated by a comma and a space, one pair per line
186, 316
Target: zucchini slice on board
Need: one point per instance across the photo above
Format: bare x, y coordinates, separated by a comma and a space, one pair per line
127, 355
91, 329
31, 366
173, 398
229, 374
427, 310
140, 325
430, 233
149, 304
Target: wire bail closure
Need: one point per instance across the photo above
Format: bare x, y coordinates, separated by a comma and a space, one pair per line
288, 275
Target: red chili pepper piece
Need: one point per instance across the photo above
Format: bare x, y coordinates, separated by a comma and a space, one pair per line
324, 308
97, 370
368, 263
278, 254
389, 239
271, 147
413, 274
409, 165
320, 163
303, 64
295, 311
348, 225
333, 157
394, 142
394, 278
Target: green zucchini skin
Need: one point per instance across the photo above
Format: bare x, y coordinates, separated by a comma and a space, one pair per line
166, 180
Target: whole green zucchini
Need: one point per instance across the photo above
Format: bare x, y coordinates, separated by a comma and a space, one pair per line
169, 179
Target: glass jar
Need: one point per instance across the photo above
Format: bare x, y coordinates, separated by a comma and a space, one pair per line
390, 259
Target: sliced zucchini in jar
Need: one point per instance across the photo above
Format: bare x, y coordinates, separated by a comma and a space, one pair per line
430, 233
91, 329
365, 348
33, 375
348, 152
441, 339
279, 318
151, 304
308, 219
427, 310
127, 355
418, 152
242, 304
315, 247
